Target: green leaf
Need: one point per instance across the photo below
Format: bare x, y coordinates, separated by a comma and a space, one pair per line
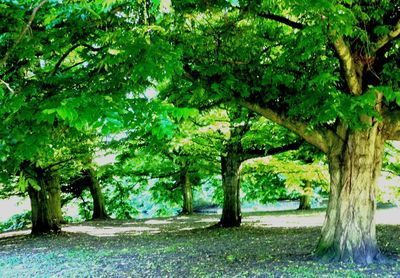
33, 183
67, 113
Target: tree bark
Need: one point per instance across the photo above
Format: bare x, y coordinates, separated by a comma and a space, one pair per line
99, 208
187, 192
348, 233
230, 167
46, 203
305, 199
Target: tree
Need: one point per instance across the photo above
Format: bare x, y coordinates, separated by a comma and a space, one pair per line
327, 70
286, 176
88, 179
71, 74
240, 145
353, 143
44, 193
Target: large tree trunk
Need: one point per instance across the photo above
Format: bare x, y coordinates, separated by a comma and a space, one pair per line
187, 193
46, 203
99, 208
348, 233
230, 166
305, 199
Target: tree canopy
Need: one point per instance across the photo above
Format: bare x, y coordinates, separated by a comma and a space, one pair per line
183, 91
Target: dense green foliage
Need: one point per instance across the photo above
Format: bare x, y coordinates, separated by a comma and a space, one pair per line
200, 96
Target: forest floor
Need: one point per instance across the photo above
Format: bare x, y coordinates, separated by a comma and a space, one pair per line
268, 244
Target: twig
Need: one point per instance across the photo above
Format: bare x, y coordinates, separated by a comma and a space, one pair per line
26, 28
7, 85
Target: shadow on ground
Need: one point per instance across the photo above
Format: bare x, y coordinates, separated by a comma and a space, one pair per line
269, 244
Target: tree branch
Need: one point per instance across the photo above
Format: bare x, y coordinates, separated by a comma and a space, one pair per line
65, 55
321, 138
350, 68
387, 38
152, 176
22, 34
7, 85
283, 20
49, 167
249, 154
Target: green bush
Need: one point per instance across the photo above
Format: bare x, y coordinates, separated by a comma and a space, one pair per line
17, 222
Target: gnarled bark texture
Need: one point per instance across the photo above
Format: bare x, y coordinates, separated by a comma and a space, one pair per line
230, 167
348, 233
187, 193
46, 203
99, 208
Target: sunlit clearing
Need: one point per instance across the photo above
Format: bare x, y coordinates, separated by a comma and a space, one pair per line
13, 205
288, 221
157, 222
207, 220
110, 231
15, 233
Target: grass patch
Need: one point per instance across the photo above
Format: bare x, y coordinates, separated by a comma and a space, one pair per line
183, 247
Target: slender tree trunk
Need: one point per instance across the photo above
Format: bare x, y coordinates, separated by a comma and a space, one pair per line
99, 208
230, 166
46, 203
348, 233
187, 192
305, 199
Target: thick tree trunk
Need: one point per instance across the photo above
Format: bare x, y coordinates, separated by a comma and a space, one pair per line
230, 166
305, 199
99, 208
187, 193
46, 204
348, 233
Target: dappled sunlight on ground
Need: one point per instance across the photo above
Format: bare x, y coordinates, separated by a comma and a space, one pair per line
207, 220
109, 231
110, 228
14, 233
290, 219
286, 221
157, 222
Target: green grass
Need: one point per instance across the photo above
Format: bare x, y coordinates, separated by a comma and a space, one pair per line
169, 249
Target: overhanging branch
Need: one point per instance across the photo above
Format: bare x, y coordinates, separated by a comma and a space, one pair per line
249, 154
65, 55
282, 19
321, 138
